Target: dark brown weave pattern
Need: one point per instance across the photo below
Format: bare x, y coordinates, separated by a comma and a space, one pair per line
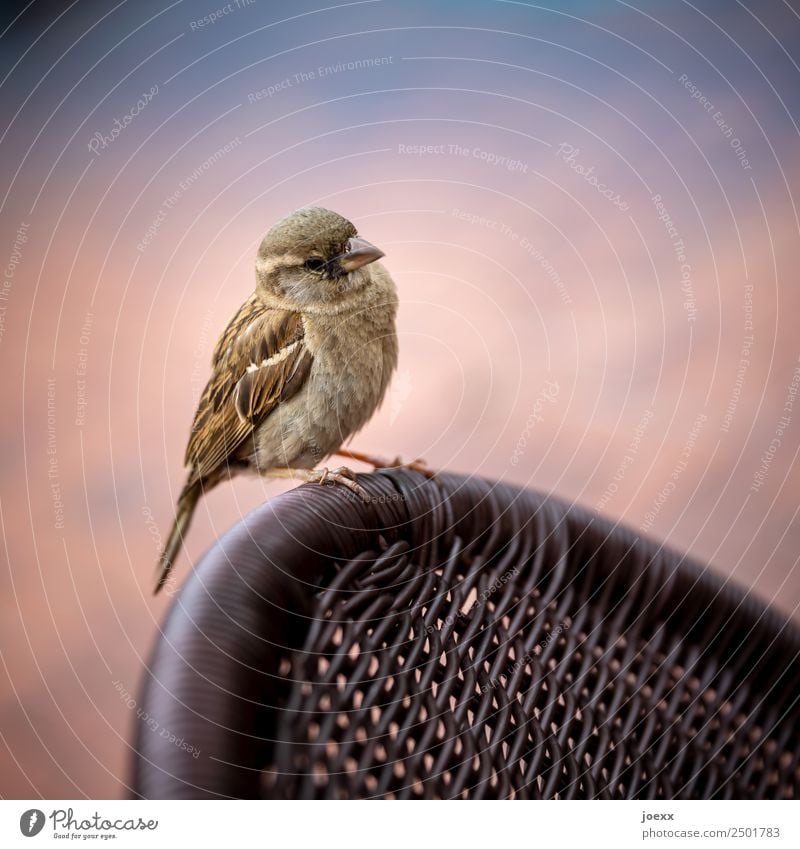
469, 640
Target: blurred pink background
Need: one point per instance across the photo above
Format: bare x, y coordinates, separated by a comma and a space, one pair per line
591, 215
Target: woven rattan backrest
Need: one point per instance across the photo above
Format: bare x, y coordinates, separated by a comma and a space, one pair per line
475, 641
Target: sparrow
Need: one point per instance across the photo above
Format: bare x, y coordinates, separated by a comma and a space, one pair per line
300, 368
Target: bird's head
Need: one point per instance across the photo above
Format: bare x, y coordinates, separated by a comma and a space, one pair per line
314, 256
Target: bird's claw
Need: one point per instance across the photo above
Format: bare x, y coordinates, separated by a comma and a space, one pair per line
342, 475
418, 465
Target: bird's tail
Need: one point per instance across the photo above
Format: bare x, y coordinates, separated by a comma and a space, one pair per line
183, 516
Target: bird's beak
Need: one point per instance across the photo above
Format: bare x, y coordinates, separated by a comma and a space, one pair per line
359, 252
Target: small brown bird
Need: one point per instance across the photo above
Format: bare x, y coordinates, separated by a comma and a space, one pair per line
302, 365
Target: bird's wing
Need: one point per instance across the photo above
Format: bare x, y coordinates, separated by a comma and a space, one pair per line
259, 361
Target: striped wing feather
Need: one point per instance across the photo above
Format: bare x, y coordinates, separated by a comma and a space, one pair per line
259, 361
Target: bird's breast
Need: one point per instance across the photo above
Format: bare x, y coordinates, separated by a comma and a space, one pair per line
353, 360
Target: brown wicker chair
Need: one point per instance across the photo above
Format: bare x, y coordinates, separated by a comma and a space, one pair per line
463, 638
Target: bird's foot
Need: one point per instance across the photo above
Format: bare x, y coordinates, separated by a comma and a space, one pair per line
418, 465
342, 475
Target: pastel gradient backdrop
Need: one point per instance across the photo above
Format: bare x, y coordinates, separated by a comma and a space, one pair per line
556, 329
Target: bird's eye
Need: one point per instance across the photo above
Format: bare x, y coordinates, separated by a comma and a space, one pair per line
315, 263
